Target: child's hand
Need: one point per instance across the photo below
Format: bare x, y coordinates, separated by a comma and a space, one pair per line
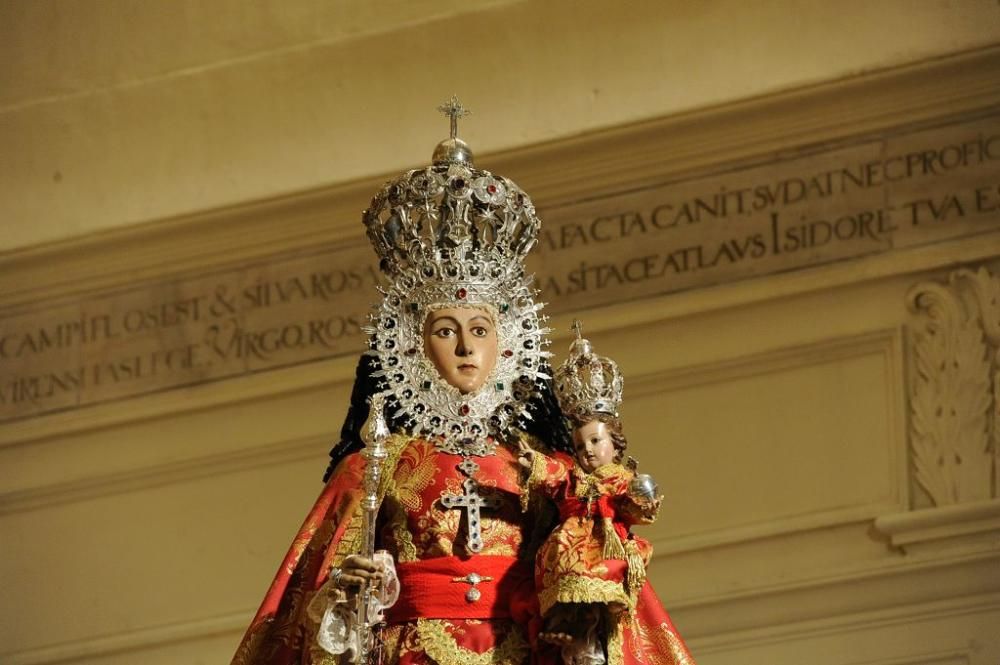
527, 455
653, 507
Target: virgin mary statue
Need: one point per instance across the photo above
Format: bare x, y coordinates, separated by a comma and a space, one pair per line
456, 353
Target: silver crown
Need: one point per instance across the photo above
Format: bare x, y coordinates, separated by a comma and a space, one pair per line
587, 383
445, 215
452, 235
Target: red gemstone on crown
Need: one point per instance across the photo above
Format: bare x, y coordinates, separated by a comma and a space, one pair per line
492, 189
461, 293
507, 353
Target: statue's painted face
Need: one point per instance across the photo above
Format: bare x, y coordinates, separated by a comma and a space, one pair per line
462, 344
594, 445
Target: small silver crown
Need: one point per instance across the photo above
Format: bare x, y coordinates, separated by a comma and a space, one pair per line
587, 383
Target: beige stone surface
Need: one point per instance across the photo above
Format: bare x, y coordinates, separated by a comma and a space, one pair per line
773, 408
882, 195
117, 113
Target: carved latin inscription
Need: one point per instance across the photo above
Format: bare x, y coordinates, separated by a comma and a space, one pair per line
165, 335
805, 209
800, 209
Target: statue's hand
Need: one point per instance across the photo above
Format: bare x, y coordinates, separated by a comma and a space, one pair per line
355, 572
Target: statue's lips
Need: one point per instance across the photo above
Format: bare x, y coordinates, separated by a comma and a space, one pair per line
467, 368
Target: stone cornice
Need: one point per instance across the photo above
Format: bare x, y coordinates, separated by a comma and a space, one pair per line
632, 156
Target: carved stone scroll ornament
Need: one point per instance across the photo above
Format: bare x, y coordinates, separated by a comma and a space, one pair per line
955, 424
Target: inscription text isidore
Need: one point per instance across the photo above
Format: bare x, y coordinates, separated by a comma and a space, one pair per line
790, 213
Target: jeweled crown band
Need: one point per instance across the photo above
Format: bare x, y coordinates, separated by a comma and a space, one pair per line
447, 213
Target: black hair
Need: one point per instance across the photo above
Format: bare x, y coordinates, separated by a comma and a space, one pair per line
546, 422
365, 385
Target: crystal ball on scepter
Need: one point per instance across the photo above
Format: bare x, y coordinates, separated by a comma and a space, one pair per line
643, 488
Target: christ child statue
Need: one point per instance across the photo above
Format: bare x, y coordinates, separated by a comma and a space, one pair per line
589, 571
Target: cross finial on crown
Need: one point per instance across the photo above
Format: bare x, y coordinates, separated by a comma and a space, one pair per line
454, 110
577, 327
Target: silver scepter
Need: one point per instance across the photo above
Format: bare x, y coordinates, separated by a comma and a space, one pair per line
374, 433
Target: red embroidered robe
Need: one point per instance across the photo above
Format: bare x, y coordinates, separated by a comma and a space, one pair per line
573, 564
436, 619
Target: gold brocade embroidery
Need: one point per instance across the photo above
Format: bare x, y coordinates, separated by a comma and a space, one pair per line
635, 576
350, 541
580, 589
390, 637
252, 643
285, 627
676, 647
536, 476
298, 546
287, 623
439, 644
437, 529
415, 471
586, 485
500, 538
406, 550
317, 656
659, 640
386, 638
544, 514
436, 532
593, 483
616, 643
510, 474
572, 551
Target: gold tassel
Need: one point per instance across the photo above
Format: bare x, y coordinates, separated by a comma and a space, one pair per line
636, 575
612, 543
536, 475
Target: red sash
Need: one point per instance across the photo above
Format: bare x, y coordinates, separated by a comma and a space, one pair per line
600, 509
439, 588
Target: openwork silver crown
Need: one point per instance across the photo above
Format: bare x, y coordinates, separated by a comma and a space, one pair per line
452, 235
587, 383
446, 215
